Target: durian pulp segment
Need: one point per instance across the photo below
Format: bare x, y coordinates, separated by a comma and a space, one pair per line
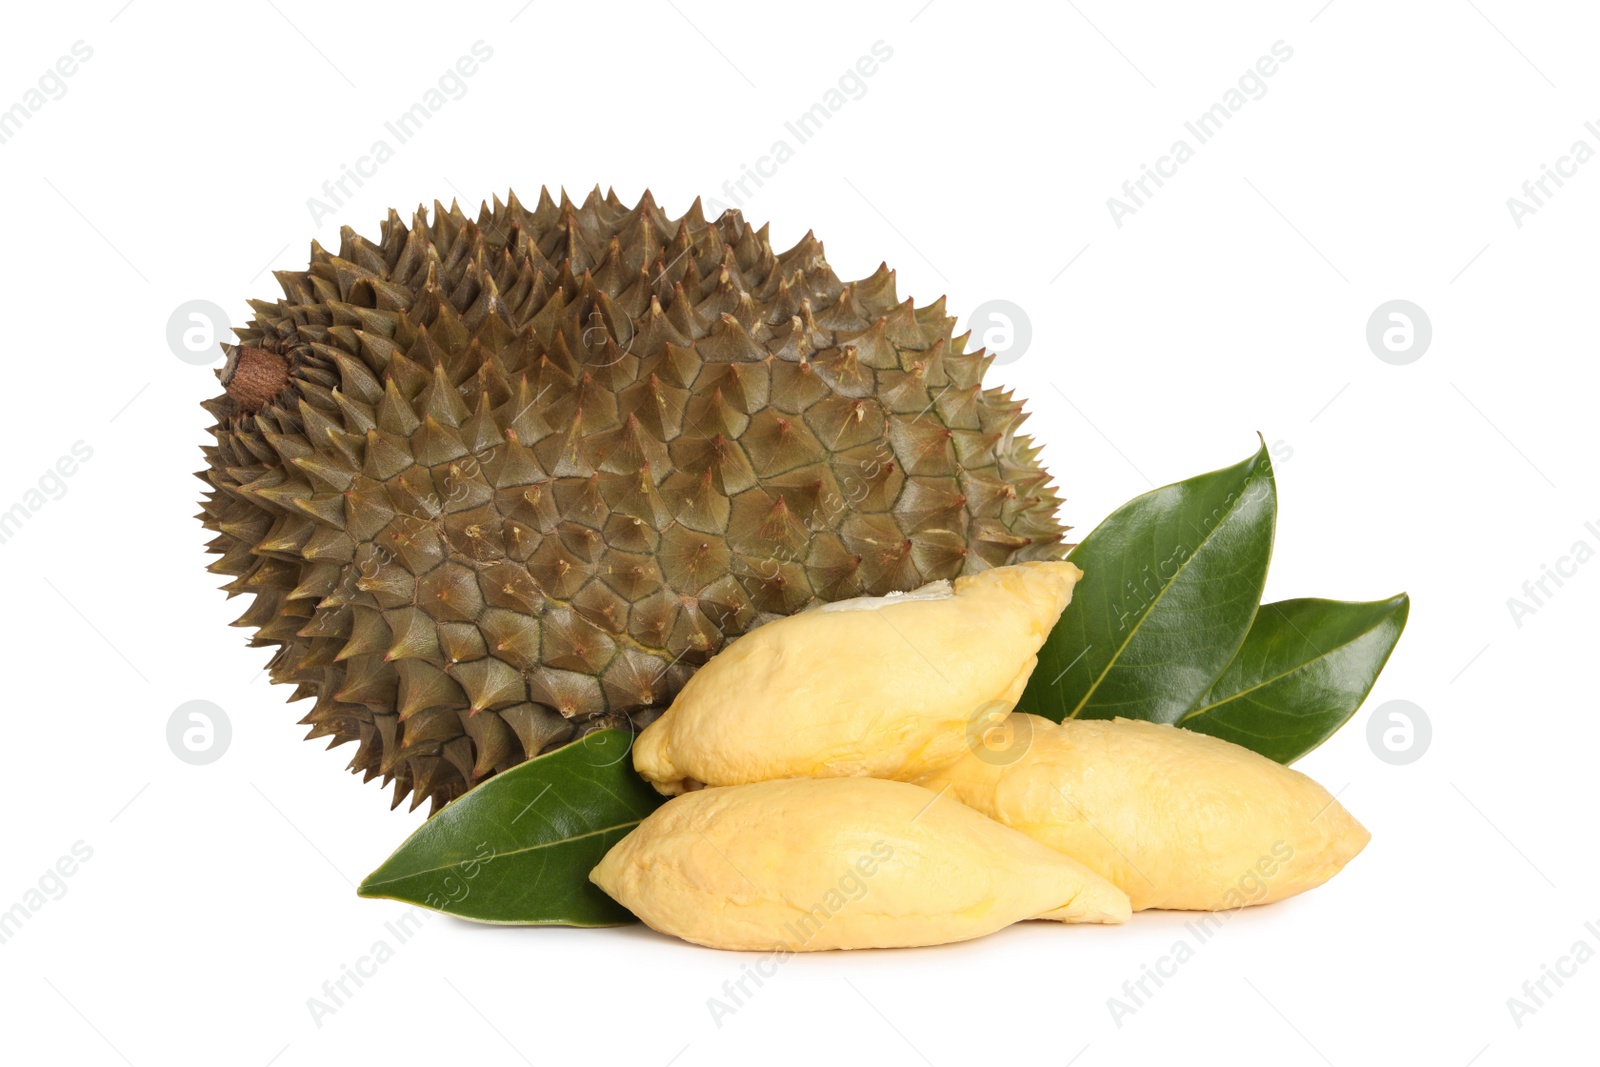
891, 688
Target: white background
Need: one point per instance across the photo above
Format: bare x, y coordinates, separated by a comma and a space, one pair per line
178, 165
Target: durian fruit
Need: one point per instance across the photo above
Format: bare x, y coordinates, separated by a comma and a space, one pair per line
1177, 819
804, 864
886, 687
496, 482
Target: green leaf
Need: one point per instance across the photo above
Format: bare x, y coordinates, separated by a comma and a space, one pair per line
1303, 670
519, 847
1171, 583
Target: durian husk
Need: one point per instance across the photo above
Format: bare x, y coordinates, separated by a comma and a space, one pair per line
527, 472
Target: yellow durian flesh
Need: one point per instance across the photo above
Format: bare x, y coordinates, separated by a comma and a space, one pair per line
1178, 819
887, 688
800, 865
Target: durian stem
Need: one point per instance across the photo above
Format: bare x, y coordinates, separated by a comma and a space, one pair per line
254, 377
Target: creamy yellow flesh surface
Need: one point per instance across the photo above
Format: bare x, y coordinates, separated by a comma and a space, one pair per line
806, 864
889, 687
1176, 818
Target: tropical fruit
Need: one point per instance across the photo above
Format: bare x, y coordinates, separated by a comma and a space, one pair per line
496, 482
889, 687
1177, 819
820, 863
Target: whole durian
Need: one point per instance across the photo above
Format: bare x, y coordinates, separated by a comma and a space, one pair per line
497, 483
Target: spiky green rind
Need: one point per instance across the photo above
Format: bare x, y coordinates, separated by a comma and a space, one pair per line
530, 471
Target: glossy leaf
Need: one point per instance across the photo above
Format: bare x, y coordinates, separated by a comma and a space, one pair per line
1171, 583
1303, 670
519, 847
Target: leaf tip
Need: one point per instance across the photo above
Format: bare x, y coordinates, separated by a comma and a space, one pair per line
372, 885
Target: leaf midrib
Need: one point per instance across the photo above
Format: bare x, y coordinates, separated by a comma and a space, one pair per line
499, 855
1132, 633
1292, 670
